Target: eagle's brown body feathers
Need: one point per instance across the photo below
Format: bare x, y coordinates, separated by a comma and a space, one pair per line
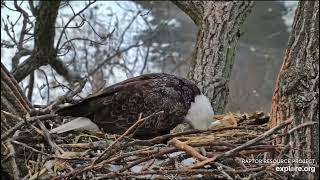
117, 107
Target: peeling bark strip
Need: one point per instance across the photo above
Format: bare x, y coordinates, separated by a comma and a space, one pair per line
219, 25
297, 86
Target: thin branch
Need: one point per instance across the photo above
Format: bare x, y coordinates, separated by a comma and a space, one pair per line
175, 172
71, 19
18, 55
145, 60
22, 122
301, 126
43, 42
188, 149
47, 82
13, 163
125, 30
81, 39
32, 8
29, 147
239, 148
6, 29
129, 130
30, 87
58, 151
24, 24
111, 57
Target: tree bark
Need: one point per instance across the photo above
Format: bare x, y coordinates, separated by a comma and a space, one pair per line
12, 101
44, 33
219, 31
44, 52
297, 87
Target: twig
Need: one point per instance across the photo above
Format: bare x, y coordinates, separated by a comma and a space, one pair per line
132, 128
29, 147
11, 155
243, 146
30, 87
117, 53
22, 122
150, 153
188, 149
178, 171
259, 138
141, 160
169, 136
47, 82
224, 166
301, 126
224, 173
90, 145
95, 163
62, 99
67, 24
47, 136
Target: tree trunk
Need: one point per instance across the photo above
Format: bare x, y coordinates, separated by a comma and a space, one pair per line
44, 52
219, 31
297, 92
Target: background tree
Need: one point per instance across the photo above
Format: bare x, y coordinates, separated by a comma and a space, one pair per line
85, 40
174, 39
219, 31
263, 41
258, 58
297, 87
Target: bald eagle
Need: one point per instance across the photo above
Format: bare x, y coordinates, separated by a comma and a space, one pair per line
118, 106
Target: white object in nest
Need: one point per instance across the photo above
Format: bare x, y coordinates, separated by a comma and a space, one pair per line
80, 123
188, 162
200, 114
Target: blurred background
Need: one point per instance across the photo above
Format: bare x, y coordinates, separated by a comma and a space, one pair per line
111, 41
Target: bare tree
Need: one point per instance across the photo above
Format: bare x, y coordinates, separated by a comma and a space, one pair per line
75, 44
97, 59
297, 87
219, 31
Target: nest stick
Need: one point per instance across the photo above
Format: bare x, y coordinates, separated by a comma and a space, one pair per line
131, 129
175, 172
22, 122
48, 138
188, 149
29, 147
243, 146
13, 163
95, 163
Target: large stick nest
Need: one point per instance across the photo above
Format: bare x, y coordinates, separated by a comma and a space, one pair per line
224, 152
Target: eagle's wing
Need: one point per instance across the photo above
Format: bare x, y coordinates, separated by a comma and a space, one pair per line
118, 106
130, 82
93, 103
146, 96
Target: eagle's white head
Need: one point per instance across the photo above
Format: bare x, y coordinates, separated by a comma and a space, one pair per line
200, 114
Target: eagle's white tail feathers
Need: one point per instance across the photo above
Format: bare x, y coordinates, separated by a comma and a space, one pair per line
200, 114
80, 123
